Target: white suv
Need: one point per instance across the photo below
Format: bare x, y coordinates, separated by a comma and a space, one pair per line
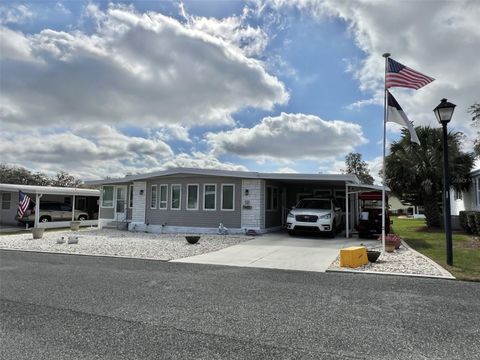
315, 215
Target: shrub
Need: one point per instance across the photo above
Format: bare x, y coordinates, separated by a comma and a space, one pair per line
462, 216
471, 222
477, 222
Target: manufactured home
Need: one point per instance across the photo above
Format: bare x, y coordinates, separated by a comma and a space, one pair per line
199, 200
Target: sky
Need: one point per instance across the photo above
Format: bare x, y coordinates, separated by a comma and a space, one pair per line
102, 89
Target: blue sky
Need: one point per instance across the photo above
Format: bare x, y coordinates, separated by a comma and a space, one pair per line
109, 88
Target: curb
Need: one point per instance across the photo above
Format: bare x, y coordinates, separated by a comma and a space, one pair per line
438, 266
79, 254
352, 271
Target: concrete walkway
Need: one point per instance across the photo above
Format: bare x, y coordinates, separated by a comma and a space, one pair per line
280, 251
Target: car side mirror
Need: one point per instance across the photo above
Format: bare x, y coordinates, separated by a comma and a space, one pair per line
338, 209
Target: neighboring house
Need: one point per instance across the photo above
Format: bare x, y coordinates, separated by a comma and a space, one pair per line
467, 200
84, 199
198, 200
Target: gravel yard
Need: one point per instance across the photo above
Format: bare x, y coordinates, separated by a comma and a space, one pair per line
402, 261
110, 242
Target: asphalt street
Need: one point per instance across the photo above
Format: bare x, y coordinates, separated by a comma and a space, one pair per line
80, 307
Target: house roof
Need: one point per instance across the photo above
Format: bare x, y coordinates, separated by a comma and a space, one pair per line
50, 190
229, 173
475, 172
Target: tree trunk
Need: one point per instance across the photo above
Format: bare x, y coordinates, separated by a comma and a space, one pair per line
432, 214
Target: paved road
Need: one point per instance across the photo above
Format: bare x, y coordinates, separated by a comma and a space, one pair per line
77, 307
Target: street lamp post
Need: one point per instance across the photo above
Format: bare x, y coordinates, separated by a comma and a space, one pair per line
444, 112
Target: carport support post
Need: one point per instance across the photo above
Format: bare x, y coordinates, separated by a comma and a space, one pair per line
347, 229
73, 207
37, 209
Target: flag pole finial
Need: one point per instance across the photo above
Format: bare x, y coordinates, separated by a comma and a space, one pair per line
385, 55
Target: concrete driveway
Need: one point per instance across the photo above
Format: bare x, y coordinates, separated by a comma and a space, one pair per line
280, 251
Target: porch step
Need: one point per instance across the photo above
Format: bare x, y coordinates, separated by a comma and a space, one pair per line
120, 225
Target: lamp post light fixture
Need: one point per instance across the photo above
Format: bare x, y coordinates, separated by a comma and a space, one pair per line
444, 112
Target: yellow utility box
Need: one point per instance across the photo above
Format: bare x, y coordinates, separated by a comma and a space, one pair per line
353, 256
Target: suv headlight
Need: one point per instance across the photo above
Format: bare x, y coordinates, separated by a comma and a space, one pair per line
290, 215
326, 216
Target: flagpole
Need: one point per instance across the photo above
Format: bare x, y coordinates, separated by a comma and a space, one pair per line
386, 56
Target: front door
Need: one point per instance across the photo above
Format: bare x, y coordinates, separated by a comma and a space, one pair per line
120, 203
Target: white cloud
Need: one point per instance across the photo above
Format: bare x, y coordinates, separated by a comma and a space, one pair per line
233, 29
286, 170
15, 14
289, 137
141, 68
440, 39
91, 152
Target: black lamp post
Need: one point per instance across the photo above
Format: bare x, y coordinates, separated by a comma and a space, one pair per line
444, 112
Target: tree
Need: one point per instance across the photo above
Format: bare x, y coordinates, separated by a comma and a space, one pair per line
415, 172
475, 111
64, 179
20, 175
355, 165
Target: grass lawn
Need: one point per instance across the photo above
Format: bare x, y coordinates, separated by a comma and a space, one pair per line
466, 249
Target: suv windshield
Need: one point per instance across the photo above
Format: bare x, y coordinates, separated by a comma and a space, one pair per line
320, 204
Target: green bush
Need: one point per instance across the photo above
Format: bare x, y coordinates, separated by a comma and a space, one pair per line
477, 222
471, 222
462, 216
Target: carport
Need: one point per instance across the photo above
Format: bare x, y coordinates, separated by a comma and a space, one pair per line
355, 190
37, 192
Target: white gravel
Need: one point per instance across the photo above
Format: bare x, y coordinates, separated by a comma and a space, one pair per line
111, 242
404, 261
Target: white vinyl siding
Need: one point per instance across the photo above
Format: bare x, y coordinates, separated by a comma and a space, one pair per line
153, 199
6, 201
209, 197
107, 196
176, 197
228, 197
163, 197
192, 196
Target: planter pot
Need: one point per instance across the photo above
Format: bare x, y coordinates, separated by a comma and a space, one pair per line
38, 233
397, 244
61, 240
192, 239
74, 225
389, 248
373, 256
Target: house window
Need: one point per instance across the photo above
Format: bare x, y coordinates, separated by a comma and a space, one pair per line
192, 197
130, 196
176, 196
107, 196
209, 197
228, 197
6, 200
163, 196
153, 198
457, 195
271, 201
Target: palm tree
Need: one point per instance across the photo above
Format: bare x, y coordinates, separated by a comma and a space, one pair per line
414, 172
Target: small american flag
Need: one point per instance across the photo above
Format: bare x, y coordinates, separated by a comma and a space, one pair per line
399, 75
23, 203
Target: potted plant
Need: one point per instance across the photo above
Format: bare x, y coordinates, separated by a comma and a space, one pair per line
392, 242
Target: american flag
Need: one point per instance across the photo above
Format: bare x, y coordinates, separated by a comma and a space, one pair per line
23, 203
399, 75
